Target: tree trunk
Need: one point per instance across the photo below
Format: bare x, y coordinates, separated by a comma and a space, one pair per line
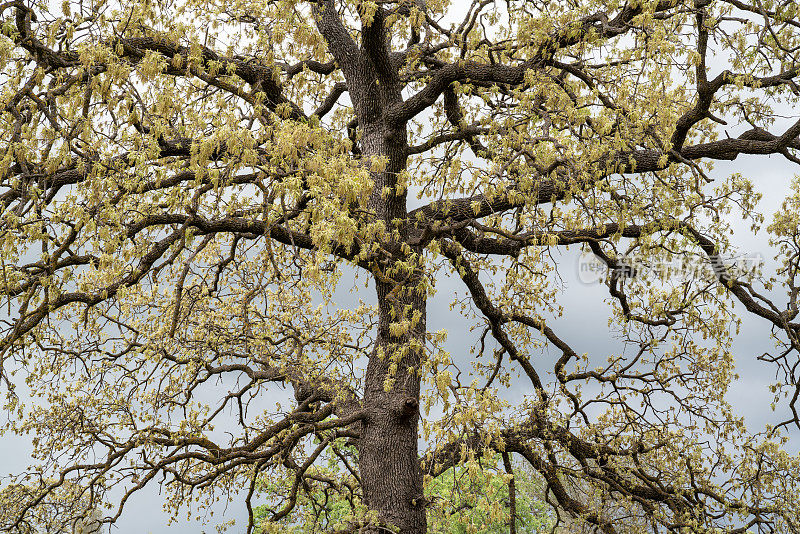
389, 460
390, 471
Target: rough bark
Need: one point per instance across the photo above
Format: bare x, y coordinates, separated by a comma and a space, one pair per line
388, 454
390, 472
389, 464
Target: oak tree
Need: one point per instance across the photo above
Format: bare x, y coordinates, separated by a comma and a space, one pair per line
189, 187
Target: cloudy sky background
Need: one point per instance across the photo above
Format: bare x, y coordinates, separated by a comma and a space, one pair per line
584, 326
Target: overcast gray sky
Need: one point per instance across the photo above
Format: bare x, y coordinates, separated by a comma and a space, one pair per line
583, 325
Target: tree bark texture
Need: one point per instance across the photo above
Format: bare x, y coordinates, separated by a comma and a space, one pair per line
388, 453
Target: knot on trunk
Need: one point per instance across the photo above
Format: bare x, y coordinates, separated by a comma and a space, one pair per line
406, 408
